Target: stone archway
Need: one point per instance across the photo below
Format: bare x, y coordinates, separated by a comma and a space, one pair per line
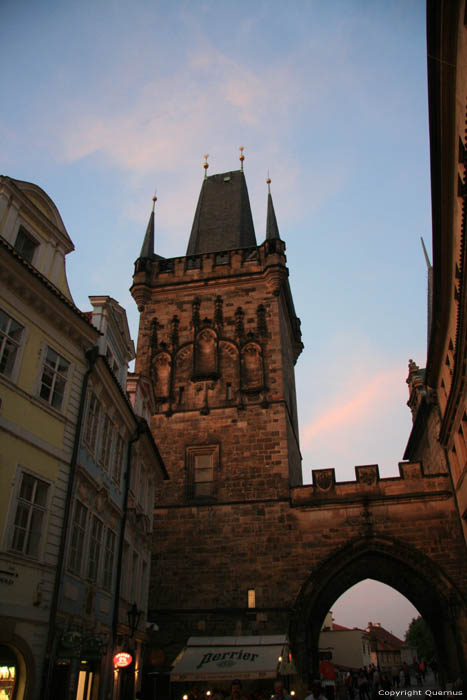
403, 568
27, 676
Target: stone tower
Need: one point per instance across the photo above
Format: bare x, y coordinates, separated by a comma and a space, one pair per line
219, 338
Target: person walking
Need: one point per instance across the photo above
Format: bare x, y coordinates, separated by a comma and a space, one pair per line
279, 692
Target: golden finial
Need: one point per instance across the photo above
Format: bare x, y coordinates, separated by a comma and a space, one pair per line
268, 182
154, 199
206, 164
242, 157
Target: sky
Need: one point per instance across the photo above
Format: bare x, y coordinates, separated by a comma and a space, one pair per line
105, 102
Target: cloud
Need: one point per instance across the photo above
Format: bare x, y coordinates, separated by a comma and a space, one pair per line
347, 411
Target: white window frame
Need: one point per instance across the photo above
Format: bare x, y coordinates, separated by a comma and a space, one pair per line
135, 577
142, 484
34, 238
125, 580
106, 442
118, 459
83, 532
94, 549
68, 378
10, 530
91, 425
13, 376
109, 553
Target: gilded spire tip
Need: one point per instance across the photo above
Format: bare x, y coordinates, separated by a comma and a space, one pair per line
154, 199
242, 157
206, 165
268, 182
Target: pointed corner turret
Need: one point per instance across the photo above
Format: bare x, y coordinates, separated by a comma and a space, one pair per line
147, 249
272, 229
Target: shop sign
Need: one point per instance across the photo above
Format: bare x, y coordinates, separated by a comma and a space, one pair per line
122, 659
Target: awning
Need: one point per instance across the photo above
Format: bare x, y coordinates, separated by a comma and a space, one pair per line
227, 658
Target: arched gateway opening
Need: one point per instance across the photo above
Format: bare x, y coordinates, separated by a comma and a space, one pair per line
406, 570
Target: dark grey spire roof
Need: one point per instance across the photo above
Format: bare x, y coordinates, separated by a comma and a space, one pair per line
272, 229
223, 218
147, 249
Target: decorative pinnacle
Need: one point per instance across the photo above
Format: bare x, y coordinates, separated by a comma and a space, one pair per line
242, 157
206, 164
268, 182
154, 200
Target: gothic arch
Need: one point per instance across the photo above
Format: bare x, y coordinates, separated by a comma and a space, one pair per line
252, 368
206, 360
394, 563
229, 365
161, 370
28, 673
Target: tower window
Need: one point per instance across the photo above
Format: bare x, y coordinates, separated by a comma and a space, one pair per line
222, 259
202, 467
193, 263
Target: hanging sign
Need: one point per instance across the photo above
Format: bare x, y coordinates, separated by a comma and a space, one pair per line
122, 659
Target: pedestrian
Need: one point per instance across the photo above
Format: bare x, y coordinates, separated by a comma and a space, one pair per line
363, 693
237, 692
349, 685
406, 674
375, 681
279, 692
316, 692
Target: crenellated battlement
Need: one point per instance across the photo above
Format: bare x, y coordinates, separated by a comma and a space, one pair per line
368, 485
160, 272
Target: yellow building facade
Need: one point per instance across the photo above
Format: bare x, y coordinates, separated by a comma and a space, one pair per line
43, 340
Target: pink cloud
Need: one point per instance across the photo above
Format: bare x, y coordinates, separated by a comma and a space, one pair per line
359, 407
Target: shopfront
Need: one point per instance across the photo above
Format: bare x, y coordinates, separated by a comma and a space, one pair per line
215, 661
9, 672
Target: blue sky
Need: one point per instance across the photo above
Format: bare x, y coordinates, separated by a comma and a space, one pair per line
104, 102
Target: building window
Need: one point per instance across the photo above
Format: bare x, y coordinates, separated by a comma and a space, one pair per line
109, 555
26, 245
106, 442
202, 466
10, 342
143, 487
95, 544
135, 576
113, 364
134, 468
251, 598
92, 421
53, 380
124, 584
29, 516
78, 533
143, 582
118, 460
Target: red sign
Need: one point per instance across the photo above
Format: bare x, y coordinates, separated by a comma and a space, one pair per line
327, 670
122, 659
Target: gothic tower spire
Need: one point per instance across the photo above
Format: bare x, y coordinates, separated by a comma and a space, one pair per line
272, 229
147, 249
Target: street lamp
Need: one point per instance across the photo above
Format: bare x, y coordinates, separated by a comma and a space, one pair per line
134, 616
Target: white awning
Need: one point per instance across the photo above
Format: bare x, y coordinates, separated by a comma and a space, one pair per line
227, 658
